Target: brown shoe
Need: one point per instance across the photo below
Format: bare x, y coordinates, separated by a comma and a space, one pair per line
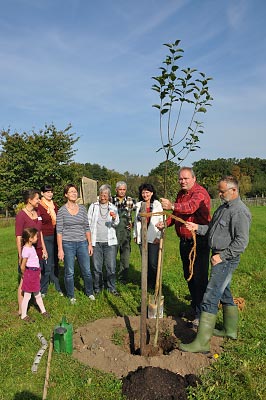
28, 319
46, 314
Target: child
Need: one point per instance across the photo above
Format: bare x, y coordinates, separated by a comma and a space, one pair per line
31, 272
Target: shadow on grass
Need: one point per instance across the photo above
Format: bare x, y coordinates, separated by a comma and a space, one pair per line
25, 395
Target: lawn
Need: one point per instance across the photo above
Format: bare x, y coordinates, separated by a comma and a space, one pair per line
238, 374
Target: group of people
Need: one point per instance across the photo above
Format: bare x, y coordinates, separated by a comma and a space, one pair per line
105, 229
67, 233
225, 236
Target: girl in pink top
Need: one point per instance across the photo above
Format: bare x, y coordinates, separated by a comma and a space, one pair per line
29, 217
30, 269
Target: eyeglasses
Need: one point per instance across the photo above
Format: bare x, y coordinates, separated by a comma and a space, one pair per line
224, 191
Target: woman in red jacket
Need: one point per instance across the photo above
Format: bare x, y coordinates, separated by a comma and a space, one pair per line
48, 210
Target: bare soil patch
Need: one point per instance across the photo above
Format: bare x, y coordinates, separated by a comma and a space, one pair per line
112, 345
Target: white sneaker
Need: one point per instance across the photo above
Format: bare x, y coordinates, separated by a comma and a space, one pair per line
43, 295
73, 300
91, 297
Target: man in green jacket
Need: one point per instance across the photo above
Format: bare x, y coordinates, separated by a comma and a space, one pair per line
125, 206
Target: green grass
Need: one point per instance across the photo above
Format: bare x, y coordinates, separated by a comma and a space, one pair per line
238, 374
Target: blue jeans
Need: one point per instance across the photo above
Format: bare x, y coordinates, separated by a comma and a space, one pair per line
218, 288
104, 254
48, 266
79, 250
199, 281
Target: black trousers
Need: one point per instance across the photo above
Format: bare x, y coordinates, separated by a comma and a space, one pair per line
198, 283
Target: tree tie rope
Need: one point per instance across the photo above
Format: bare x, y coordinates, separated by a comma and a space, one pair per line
192, 253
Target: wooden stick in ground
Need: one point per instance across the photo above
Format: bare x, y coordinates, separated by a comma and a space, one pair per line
159, 299
156, 291
144, 273
158, 286
46, 382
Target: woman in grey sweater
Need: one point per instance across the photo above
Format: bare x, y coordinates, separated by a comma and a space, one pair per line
74, 240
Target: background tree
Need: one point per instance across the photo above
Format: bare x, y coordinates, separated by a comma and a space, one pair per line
244, 185
32, 159
157, 177
186, 93
251, 173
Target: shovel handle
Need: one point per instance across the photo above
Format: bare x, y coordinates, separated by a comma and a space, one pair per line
157, 284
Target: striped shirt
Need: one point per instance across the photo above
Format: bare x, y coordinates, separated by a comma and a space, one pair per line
73, 228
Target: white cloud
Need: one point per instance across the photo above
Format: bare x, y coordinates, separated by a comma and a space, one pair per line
236, 13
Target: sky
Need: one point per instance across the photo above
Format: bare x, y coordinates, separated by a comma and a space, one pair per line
91, 63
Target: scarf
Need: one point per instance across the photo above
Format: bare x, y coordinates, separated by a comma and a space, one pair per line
49, 206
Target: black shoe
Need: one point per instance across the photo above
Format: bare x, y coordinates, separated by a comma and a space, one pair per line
114, 293
123, 277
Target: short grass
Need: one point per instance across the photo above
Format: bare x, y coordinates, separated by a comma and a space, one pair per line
238, 374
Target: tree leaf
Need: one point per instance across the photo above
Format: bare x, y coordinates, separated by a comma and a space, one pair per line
172, 151
202, 109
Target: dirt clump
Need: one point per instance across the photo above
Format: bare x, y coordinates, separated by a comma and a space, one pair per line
153, 383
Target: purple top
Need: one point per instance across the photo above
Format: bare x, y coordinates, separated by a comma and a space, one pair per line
24, 221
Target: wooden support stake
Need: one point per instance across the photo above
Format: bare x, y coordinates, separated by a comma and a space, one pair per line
144, 273
46, 382
158, 287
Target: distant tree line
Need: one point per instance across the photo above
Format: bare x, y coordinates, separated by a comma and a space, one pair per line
250, 172
35, 158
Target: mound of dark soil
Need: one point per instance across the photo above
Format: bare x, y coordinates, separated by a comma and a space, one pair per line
152, 383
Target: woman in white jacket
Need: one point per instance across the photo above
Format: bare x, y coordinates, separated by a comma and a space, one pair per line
103, 219
147, 194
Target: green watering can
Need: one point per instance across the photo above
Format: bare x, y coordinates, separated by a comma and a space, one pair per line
63, 337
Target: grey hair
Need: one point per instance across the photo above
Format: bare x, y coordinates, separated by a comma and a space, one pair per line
105, 188
231, 181
187, 169
120, 183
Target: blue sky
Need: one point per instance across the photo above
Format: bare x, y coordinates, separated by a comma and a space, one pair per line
90, 63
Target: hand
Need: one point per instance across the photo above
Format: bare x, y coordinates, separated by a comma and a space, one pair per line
113, 215
90, 249
216, 259
61, 255
166, 204
156, 241
44, 254
129, 227
160, 225
191, 226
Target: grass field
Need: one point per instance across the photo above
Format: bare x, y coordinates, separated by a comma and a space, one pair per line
239, 373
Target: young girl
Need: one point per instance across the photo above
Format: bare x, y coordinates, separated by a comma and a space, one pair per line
30, 268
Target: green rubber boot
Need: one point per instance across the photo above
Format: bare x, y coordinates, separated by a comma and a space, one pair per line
230, 315
201, 344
